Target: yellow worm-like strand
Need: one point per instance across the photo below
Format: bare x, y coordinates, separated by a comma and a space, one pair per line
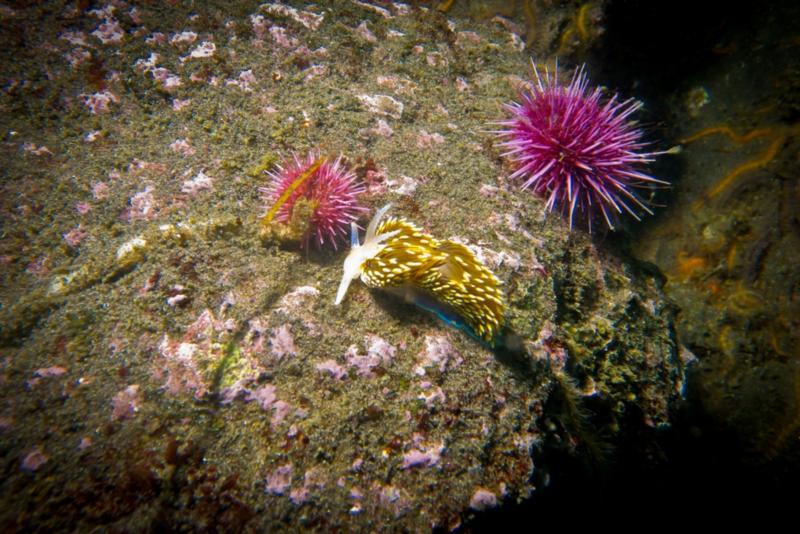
291, 189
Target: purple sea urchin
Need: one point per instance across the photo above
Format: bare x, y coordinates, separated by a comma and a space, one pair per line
577, 150
313, 198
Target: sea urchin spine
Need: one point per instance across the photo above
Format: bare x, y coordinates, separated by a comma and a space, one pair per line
577, 151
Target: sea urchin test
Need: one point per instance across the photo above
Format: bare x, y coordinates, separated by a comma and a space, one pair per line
443, 277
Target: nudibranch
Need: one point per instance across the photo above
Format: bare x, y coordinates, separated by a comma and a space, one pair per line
442, 276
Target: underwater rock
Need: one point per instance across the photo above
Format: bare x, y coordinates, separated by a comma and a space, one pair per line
254, 402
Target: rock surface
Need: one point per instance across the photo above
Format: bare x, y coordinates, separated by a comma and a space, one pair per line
210, 381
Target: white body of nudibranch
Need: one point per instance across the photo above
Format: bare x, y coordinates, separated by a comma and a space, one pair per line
359, 254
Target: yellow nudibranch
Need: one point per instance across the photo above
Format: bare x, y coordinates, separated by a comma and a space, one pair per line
399, 256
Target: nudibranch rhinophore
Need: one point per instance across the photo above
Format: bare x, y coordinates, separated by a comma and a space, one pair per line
442, 276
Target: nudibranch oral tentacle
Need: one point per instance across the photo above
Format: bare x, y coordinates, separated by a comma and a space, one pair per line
397, 254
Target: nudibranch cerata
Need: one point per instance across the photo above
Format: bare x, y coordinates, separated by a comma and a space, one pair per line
442, 276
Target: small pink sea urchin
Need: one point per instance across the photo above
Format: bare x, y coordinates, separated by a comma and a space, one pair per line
311, 199
577, 150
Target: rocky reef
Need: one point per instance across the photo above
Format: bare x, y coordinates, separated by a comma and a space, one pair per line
161, 367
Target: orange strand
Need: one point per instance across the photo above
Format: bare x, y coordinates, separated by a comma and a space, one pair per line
291, 189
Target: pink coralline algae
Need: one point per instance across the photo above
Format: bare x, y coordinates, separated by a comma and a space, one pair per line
34, 460
315, 71
379, 352
482, 499
74, 237
381, 129
255, 339
383, 105
183, 38
40, 266
134, 15
100, 190
365, 33
182, 364
579, 152
203, 50
306, 18
314, 478
267, 399
439, 352
415, 458
168, 80
423, 455
379, 348
45, 372
179, 370
259, 26
109, 32
244, 81
379, 10
83, 207
332, 368
436, 59
280, 480
299, 495
141, 206
404, 185
428, 140
179, 299
74, 38
400, 86
430, 396
32, 148
393, 499
376, 179
178, 104
280, 411
100, 102
299, 301
282, 343
126, 403
157, 38
327, 188
182, 147
264, 396
488, 191
280, 36
201, 182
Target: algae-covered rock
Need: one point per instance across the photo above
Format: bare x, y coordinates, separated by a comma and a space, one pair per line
217, 385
